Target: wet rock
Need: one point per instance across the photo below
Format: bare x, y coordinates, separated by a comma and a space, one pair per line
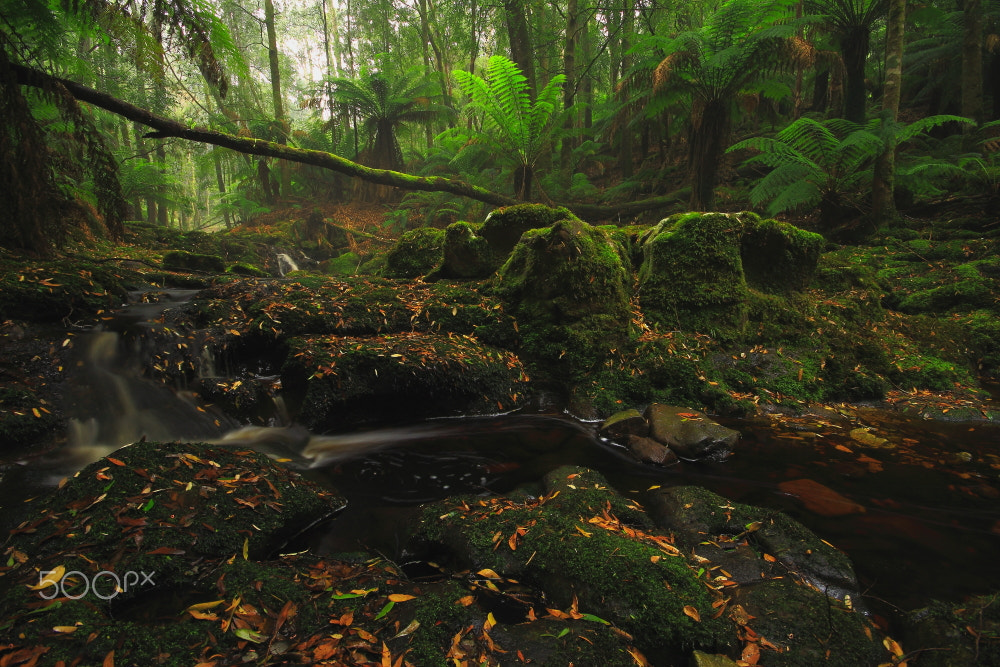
179, 260
689, 433
820, 499
648, 450
694, 514
626, 422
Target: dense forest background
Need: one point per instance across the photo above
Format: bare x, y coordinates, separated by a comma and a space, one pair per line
633, 104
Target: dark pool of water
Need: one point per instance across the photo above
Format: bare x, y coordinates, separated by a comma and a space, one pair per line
931, 515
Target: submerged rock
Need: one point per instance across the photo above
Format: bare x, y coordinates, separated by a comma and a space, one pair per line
689, 433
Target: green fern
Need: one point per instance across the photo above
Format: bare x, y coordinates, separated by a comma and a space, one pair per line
827, 164
515, 123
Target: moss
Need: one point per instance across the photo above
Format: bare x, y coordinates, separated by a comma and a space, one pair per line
19, 425
180, 260
416, 253
954, 635
243, 269
504, 226
466, 254
626, 581
353, 380
346, 264
568, 287
778, 257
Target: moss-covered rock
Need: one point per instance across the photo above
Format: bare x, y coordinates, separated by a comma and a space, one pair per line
243, 269
53, 290
24, 417
180, 260
466, 255
698, 269
504, 226
398, 377
954, 635
584, 546
415, 254
568, 287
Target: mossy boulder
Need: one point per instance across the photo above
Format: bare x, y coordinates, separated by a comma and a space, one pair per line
504, 226
346, 264
181, 260
698, 269
415, 254
568, 287
53, 290
243, 269
466, 255
24, 418
401, 376
583, 545
955, 635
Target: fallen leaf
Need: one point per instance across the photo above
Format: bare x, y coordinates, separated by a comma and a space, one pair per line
692, 612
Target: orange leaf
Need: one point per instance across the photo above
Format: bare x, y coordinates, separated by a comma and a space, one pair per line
401, 597
751, 654
692, 612
466, 601
117, 462
109, 660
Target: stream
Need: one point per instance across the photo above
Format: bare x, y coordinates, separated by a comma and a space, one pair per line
923, 521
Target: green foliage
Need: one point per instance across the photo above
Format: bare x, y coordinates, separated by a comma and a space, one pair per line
519, 129
826, 164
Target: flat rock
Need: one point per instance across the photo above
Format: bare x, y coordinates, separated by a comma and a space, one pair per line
621, 424
689, 433
648, 450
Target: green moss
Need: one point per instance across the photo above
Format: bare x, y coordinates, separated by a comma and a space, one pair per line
614, 577
778, 257
504, 226
180, 260
346, 264
416, 253
568, 287
243, 269
53, 290
19, 426
466, 254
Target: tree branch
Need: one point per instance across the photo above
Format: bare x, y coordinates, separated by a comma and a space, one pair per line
165, 128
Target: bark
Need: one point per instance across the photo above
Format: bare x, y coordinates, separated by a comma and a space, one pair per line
521, 51
854, 47
279, 107
165, 128
883, 206
569, 69
707, 144
972, 60
625, 133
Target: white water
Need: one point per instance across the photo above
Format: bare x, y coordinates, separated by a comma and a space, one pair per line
286, 264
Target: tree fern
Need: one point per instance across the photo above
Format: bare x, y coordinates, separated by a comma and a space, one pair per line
515, 123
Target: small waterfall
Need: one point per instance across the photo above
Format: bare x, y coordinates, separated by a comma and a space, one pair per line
286, 264
112, 401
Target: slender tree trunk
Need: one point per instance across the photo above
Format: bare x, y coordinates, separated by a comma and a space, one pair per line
569, 88
883, 205
521, 50
279, 107
625, 132
854, 47
972, 60
707, 144
821, 87
587, 87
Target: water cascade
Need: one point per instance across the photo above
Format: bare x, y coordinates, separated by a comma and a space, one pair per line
286, 264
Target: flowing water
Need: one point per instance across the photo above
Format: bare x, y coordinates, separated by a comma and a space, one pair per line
925, 507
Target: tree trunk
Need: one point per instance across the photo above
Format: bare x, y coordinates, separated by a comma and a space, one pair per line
625, 129
569, 88
707, 144
821, 87
883, 205
279, 107
972, 60
854, 47
521, 51
587, 87
523, 176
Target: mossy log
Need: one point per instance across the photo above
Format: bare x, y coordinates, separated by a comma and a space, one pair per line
166, 128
